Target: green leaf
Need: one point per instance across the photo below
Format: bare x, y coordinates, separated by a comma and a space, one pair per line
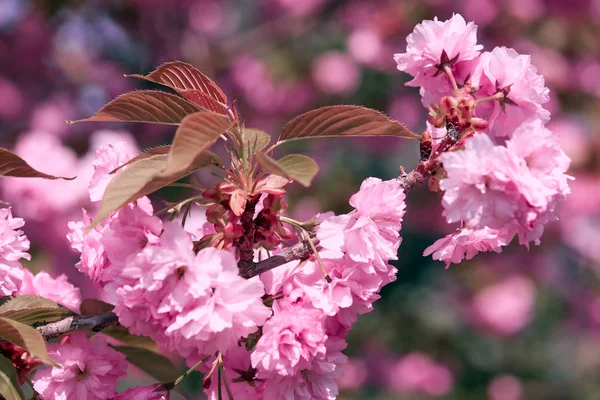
95, 307
154, 151
26, 337
255, 140
195, 135
154, 364
181, 76
9, 385
344, 120
293, 166
140, 179
31, 309
122, 334
13, 165
145, 106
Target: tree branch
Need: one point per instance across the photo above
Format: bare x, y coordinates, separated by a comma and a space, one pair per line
299, 251
93, 323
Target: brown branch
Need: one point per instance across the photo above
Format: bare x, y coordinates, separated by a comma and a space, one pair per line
299, 251
93, 323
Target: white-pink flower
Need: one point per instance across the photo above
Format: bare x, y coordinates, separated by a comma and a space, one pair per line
434, 43
13, 246
89, 370
58, 289
153, 392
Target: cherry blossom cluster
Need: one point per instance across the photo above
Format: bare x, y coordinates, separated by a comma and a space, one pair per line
504, 171
280, 334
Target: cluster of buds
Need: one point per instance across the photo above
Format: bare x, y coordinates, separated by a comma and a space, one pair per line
267, 230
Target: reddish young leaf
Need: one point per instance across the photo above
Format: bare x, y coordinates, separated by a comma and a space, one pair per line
293, 166
145, 106
204, 100
183, 76
196, 134
95, 307
343, 121
29, 309
13, 165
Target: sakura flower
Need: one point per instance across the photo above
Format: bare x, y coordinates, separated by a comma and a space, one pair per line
192, 302
153, 392
290, 339
107, 158
90, 370
433, 44
58, 289
484, 188
383, 202
465, 244
314, 383
13, 246
93, 259
504, 70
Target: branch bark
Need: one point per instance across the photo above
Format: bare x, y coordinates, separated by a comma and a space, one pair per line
299, 251
94, 323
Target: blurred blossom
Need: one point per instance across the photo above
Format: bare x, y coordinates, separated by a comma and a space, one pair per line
12, 100
303, 7
505, 307
526, 10
417, 372
207, 16
505, 387
580, 217
365, 46
408, 110
482, 11
335, 73
586, 73
355, 374
574, 139
51, 115
11, 11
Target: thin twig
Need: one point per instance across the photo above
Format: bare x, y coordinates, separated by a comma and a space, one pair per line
94, 323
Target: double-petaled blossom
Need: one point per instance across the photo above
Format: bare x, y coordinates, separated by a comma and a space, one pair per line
13, 246
291, 339
57, 289
506, 72
435, 44
106, 247
89, 370
498, 192
153, 392
195, 303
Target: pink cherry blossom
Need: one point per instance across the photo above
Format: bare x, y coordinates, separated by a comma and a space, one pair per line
90, 370
503, 69
13, 246
336, 73
153, 392
57, 289
290, 340
383, 202
196, 303
107, 158
465, 244
434, 43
